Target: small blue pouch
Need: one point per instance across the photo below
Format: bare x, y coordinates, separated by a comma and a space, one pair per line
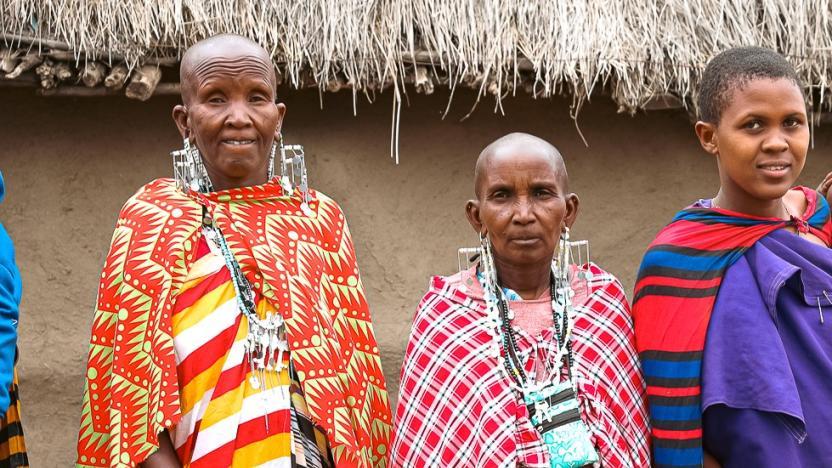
554, 412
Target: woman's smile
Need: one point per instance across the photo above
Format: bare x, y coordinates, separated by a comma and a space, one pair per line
775, 169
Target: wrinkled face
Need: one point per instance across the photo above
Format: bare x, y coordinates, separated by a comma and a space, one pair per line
762, 139
522, 205
231, 115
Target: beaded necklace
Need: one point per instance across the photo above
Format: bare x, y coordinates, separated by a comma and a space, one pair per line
264, 343
561, 304
264, 346
552, 404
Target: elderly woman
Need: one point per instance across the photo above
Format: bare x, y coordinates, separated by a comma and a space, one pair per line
231, 327
523, 360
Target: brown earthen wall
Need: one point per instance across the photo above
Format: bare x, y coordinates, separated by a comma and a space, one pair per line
69, 164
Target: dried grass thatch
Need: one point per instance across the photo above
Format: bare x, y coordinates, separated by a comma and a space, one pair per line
634, 49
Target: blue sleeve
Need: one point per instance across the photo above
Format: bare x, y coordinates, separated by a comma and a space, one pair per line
10, 291
740, 438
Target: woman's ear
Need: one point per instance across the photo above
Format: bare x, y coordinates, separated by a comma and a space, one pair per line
281, 112
706, 132
572, 203
180, 117
472, 212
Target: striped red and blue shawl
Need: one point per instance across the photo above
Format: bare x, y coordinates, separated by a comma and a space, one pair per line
677, 285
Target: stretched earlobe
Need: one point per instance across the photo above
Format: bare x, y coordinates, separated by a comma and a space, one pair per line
472, 212
180, 118
573, 204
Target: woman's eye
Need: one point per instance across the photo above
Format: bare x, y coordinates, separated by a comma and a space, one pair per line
216, 100
791, 123
754, 125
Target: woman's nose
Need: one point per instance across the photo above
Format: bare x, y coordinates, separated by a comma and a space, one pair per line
238, 115
777, 142
524, 211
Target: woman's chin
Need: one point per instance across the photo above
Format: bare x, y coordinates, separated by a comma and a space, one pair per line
240, 168
774, 192
531, 257
770, 188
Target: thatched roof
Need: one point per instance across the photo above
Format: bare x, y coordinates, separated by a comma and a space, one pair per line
635, 50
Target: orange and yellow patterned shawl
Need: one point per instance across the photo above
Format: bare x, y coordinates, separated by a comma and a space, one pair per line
304, 265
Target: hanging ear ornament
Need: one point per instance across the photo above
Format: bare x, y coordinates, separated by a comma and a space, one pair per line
285, 180
582, 260
182, 167
560, 270
285, 174
270, 173
564, 257
188, 170
486, 258
300, 167
489, 273
202, 181
293, 174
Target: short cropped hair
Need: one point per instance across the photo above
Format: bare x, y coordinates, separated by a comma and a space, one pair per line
731, 70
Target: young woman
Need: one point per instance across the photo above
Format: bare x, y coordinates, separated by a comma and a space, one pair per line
733, 296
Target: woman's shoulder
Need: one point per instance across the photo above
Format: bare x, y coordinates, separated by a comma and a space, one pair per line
325, 200
600, 292
157, 189
597, 279
447, 294
160, 195
460, 287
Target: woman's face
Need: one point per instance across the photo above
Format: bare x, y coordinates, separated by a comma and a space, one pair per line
760, 142
522, 206
231, 115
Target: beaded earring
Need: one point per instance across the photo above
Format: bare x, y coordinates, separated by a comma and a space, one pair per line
188, 170
285, 180
488, 271
270, 173
293, 173
563, 258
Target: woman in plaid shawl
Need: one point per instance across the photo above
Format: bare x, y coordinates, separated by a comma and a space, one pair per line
459, 402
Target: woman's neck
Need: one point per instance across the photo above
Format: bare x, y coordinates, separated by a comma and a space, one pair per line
733, 200
220, 183
529, 281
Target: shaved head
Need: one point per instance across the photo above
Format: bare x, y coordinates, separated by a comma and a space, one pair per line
515, 145
221, 52
522, 205
229, 109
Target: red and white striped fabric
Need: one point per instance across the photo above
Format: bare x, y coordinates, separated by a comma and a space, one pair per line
458, 407
225, 421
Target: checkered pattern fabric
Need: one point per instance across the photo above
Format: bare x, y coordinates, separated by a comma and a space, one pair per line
458, 406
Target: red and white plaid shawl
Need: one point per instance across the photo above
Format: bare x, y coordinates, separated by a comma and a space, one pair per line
458, 407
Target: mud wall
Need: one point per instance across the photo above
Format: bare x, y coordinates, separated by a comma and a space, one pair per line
69, 164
